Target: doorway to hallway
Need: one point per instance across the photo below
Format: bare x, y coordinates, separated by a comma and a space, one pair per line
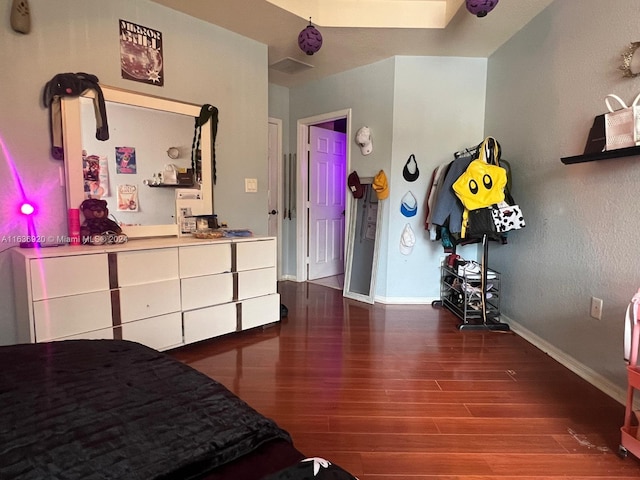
323, 150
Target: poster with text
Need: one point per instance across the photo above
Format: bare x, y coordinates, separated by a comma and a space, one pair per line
141, 54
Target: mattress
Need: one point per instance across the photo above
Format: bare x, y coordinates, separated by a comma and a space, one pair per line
113, 409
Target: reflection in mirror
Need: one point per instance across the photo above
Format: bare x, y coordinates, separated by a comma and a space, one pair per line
135, 156
362, 245
142, 131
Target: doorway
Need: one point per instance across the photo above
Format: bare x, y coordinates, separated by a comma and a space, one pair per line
321, 235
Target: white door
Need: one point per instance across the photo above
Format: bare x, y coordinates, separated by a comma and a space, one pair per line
273, 179
327, 150
275, 190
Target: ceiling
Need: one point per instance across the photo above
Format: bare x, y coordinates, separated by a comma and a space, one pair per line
345, 48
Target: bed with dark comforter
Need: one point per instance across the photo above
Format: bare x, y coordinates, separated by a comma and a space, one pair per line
110, 409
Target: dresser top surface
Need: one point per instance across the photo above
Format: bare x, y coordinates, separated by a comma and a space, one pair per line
131, 245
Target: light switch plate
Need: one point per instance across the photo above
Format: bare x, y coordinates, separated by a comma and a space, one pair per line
250, 185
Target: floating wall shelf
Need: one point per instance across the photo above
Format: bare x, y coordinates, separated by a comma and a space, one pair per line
591, 157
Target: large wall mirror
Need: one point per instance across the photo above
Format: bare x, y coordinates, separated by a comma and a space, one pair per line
149, 138
361, 265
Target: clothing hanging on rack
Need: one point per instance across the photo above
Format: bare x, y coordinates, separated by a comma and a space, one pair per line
446, 215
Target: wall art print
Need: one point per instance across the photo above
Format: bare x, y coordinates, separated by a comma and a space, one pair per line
126, 160
141, 54
95, 173
128, 198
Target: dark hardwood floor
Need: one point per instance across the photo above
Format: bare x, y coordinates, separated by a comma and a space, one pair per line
398, 392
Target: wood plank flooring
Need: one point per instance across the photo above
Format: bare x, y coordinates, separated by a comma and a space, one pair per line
399, 393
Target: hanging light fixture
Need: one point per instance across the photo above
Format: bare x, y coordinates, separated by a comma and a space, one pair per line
480, 8
310, 39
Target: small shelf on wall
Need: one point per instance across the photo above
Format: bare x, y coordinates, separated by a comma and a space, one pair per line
171, 185
591, 157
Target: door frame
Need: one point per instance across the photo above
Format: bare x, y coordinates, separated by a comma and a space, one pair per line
302, 181
279, 192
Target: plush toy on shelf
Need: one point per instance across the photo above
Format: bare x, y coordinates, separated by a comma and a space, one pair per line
98, 228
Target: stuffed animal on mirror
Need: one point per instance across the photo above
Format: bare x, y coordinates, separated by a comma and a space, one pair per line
98, 228
480, 8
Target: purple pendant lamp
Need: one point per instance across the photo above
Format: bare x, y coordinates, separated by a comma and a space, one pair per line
310, 39
480, 8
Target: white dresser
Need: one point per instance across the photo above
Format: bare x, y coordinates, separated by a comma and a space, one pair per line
162, 292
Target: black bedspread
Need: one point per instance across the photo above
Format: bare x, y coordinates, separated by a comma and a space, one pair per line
103, 409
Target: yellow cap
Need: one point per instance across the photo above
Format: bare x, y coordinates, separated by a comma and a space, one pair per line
380, 185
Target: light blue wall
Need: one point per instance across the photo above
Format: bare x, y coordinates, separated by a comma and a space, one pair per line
428, 106
438, 109
368, 91
203, 64
581, 240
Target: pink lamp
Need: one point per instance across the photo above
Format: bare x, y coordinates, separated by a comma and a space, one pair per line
28, 209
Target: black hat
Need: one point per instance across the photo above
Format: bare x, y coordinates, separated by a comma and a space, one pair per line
411, 174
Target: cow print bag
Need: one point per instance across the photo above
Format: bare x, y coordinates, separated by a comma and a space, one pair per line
507, 218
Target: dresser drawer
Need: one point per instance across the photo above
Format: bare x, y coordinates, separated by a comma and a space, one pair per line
150, 300
102, 334
140, 267
202, 260
255, 283
65, 316
198, 292
160, 332
62, 276
258, 254
209, 322
260, 311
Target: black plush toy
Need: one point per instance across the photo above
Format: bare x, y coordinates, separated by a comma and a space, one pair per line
98, 228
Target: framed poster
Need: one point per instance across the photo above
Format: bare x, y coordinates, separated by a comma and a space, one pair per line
141, 54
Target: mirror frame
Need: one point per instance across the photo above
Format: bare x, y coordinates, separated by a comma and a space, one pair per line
72, 133
351, 238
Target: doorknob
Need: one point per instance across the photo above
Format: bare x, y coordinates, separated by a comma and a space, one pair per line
273, 212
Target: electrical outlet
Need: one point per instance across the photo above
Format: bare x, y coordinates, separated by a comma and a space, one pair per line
596, 308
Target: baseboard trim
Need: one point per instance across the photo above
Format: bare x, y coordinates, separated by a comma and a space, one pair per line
586, 373
405, 300
291, 278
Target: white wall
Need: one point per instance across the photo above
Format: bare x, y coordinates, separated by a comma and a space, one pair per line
203, 64
544, 88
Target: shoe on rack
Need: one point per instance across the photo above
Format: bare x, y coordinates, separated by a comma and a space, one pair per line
472, 270
474, 291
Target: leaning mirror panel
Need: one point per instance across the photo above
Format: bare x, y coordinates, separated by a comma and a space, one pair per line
363, 244
149, 146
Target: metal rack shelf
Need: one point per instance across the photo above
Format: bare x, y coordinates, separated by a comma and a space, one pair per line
466, 295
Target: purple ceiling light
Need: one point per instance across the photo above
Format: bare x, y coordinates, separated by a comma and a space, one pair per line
481, 7
310, 39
